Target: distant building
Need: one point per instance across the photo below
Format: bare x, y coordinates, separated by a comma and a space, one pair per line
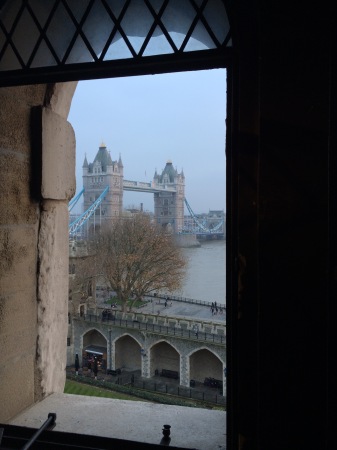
105, 173
99, 174
169, 206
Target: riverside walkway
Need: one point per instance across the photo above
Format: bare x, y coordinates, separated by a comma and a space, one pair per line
177, 307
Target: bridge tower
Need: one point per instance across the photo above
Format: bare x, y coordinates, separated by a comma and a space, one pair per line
169, 206
99, 174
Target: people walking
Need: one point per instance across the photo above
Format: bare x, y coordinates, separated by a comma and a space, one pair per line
95, 368
77, 364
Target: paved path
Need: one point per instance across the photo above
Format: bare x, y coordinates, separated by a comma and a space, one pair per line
177, 309
182, 309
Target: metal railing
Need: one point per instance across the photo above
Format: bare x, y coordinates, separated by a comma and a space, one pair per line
133, 383
186, 300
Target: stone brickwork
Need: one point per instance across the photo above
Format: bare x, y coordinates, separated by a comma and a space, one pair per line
147, 340
33, 241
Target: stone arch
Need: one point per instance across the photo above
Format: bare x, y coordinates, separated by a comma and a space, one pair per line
163, 340
204, 363
163, 355
91, 329
127, 352
94, 337
204, 347
127, 334
94, 344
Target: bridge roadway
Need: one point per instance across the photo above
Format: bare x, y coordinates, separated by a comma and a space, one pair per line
141, 186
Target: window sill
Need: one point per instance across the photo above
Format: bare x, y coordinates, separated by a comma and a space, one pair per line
136, 421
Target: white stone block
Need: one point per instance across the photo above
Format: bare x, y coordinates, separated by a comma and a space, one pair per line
58, 157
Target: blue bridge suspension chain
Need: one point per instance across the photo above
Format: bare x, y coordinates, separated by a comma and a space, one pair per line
201, 226
80, 221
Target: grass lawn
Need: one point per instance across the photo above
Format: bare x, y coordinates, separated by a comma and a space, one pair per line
136, 303
79, 388
73, 387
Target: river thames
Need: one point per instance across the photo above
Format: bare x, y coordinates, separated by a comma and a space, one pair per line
206, 272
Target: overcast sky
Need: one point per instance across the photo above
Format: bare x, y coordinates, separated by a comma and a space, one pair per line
151, 119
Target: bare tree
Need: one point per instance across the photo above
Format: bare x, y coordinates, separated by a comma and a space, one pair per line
137, 257
82, 276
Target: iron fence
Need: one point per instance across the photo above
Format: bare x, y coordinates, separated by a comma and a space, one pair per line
139, 386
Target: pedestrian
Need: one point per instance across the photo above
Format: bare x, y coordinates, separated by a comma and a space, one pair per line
95, 368
77, 364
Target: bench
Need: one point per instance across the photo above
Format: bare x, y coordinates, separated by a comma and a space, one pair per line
169, 374
212, 382
114, 372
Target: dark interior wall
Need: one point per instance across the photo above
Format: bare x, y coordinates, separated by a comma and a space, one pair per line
282, 123
293, 225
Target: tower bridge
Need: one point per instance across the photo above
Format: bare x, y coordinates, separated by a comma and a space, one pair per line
103, 187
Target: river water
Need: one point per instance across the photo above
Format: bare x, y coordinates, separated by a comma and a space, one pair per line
206, 272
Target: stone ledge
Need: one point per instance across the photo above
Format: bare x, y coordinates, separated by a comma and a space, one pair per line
137, 421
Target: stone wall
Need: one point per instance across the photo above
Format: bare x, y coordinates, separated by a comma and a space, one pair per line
158, 352
37, 155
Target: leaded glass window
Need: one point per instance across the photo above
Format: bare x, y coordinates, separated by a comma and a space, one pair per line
64, 38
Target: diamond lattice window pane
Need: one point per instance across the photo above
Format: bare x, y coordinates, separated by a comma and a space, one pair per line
116, 6
23, 45
43, 57
156, 4
74, 31
158, 44
41, 10
118, 49
178, 21
217, 19
97, 27
61, 40
9, 60
136, 31
78, 8
200, 39
79, 52
9, 13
